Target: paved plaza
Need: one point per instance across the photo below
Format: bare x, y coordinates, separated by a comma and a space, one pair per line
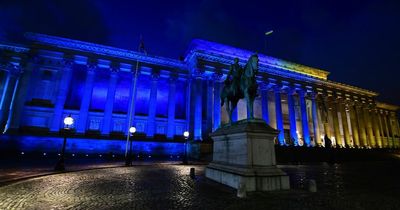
356, 185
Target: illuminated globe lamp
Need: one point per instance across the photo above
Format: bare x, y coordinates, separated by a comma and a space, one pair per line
128, 160
186, 134
132, 130
185, 157
68, 121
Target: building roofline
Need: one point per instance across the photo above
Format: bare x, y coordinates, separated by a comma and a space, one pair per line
99, 49
221, 49
387, 106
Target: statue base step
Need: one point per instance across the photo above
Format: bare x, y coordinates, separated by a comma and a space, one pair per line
244, 155
253, 179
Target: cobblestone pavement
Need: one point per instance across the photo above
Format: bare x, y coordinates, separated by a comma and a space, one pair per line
372, 185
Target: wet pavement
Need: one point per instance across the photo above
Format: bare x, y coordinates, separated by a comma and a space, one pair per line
352, 185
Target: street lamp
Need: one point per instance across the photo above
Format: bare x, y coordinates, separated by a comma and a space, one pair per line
128, 158
68, 121
185, 158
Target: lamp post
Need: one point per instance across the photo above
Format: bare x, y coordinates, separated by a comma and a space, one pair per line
68, 121
128, 158
185, 158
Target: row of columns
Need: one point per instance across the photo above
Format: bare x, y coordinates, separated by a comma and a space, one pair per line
366, 127
362, 124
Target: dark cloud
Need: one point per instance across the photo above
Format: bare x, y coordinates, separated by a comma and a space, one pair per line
357, 41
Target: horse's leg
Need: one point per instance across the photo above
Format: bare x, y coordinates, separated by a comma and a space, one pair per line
251, 106
246, 97
228, 110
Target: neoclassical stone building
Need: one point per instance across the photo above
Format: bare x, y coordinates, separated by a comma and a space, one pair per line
52, 77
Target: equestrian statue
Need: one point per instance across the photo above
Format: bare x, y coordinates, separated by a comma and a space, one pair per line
240, 83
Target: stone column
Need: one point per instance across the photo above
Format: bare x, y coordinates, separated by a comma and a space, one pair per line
345, 124
385, 122
391, 130
325, 117
9, 91
6, 94
354, 125
217, 100
338, 137
64, 86
198, 104
264, 105
362, 126
86, 98
210, 106
108, 110
304, 120
171, 107
382, 130
21, 94
151, 121
375, 122
292, 118
314, 107
189, 102
368, 122
278, 113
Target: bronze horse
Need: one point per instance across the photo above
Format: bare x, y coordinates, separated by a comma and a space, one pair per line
248, 89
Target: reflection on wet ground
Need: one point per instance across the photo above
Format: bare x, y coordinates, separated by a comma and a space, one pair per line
353, 185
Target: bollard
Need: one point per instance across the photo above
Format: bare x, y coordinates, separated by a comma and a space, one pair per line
312, 185
241, 191
192, 173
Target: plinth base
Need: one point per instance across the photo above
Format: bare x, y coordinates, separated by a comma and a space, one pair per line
253, 179
244, 157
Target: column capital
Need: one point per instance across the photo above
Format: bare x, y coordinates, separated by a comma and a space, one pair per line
14, 70
217, 76
91, 67
277, 88
155, 75
301, 92
198, 73
67, 63
173, 78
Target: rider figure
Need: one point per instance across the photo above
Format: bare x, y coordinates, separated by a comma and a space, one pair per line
235, 71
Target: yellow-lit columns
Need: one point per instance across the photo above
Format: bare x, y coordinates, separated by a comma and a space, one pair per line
325, 109
392, 115
382, 130
368, 123
354, 125
314, 109
385, 123
398, 130
336, 127
345, 124
375, 123
362, 125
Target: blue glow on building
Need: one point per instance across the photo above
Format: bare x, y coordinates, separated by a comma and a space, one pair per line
93, 84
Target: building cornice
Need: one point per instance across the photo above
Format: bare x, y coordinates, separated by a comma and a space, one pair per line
198, 45
386, 106
14, 48
277, 71
98, 49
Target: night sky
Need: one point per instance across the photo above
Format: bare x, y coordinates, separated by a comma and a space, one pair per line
357, 41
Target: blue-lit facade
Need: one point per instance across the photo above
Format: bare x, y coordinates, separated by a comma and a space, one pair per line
52, 77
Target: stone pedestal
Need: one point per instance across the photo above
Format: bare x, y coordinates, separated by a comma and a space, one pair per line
244, 154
